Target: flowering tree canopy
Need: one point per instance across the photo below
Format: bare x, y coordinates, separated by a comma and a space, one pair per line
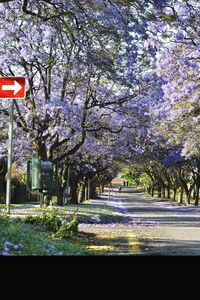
76, 72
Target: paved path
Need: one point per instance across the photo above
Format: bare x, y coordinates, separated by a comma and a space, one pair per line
154, 227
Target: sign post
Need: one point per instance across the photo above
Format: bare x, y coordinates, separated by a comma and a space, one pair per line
11, 88
9, 173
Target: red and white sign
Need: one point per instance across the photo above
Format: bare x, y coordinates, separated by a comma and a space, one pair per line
12, 87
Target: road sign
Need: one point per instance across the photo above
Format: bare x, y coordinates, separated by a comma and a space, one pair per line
12, 87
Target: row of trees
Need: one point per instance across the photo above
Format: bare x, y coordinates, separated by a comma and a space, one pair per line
176, 118
170, 162
180, 183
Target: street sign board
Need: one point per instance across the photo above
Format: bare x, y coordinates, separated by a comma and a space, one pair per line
12, 87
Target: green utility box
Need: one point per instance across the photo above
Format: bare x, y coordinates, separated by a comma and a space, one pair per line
36, 178
41, 175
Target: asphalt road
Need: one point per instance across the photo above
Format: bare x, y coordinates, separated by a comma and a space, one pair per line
154, 227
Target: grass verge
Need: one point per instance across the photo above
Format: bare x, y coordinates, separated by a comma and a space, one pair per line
88, 212
17, 238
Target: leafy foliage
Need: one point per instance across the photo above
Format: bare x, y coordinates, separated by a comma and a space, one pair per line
48, 219
67, 229
17, 238
52, 222
131, 175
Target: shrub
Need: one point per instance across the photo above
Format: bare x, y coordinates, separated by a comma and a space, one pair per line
4, 219
49, 219
67, 229
52, 222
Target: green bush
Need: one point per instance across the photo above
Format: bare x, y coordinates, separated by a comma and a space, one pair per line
49, 219
67, 229
31, 219
52, 222
4, 219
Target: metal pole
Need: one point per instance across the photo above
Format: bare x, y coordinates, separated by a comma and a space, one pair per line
88, 189
68, 176
9, 174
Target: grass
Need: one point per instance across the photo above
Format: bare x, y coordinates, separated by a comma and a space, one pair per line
93, 208
86, 212
34, 240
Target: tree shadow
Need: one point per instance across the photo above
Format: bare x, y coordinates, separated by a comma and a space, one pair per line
169, 247
112, 246
171, 221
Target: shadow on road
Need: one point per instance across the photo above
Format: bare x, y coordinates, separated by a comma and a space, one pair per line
169, 247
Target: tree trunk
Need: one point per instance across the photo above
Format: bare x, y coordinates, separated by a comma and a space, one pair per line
86, 191
159, 191
47, 200
168, 193
187, 198
152, 191
61, 184
82, 192
102, 188
188, 194
174, 194
180, 199
60, 196
93, 192
194, 192
74, 192
197, 196
149, 190
163, 192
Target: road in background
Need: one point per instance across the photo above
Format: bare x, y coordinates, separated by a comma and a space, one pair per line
153, 227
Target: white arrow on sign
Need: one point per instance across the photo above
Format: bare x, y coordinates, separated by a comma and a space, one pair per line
16, 87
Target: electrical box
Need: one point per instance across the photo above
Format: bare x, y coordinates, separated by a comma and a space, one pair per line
36, 178
41, 175
46, 175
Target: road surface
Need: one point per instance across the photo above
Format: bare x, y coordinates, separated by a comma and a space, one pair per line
153, 227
